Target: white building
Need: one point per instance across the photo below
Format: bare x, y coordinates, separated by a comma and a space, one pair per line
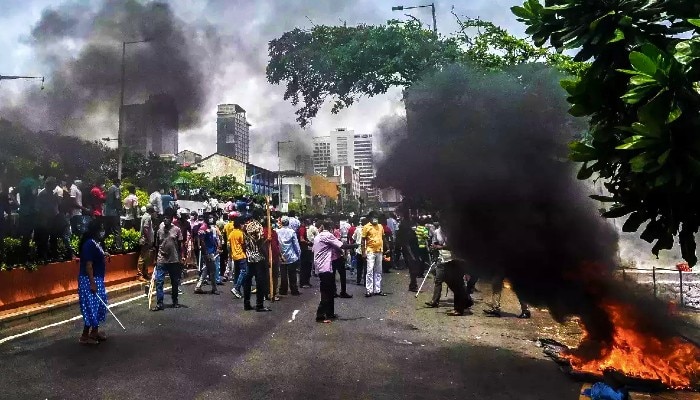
295, 189
345, 147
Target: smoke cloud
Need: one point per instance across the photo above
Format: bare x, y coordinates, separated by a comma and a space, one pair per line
489, 150
82, 91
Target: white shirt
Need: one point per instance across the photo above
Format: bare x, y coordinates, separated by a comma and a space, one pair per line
58, 191
357, 238
77, 197
130, 202
156, 201
441, 239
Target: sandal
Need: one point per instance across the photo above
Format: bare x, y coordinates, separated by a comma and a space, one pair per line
100, 337
87, 340
454, 313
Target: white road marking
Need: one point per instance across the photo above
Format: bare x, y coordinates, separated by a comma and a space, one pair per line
29, 332
294, 315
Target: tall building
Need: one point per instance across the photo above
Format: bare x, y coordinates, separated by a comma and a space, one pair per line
322, 154
151, 127
232, 132
345, 147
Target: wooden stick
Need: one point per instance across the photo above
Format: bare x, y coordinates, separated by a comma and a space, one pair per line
269, 240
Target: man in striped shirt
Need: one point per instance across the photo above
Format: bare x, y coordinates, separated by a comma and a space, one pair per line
254, 243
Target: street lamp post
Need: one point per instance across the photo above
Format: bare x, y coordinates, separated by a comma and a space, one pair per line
279, 171
120, 147
431, 5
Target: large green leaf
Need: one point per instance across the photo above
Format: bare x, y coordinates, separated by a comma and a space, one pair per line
687, 51
635, 220
642, 63
617, 212
521, 12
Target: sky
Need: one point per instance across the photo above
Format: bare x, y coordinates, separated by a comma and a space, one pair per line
234, 69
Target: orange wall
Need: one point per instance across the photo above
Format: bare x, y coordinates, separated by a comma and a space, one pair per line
321, 186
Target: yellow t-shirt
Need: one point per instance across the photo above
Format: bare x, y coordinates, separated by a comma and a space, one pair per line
235, 241
228, 228
374, 237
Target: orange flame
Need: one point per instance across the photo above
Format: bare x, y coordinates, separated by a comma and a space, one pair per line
674, 361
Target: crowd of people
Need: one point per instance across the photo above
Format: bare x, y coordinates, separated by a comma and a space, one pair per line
231, 244
228, 242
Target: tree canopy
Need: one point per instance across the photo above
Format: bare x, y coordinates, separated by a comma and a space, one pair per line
344, 63
641, 95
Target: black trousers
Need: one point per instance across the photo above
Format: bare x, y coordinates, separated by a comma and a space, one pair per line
414, 271
361, 269
288, 277
339, 267
259, 271
326, 308
26, 229
454, 277
307, 258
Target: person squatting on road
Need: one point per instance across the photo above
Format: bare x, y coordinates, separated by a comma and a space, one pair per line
325, 247
91, 283
169, 243
373, 252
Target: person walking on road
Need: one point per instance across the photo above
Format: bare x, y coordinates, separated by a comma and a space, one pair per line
325, 245
209, 251
170, 258
496, 291
91, 283
290, 253
373, 252
449, 271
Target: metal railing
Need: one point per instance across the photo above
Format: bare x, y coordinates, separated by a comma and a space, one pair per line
681, 288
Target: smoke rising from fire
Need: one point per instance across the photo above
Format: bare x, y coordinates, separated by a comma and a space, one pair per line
82, 90
490, 151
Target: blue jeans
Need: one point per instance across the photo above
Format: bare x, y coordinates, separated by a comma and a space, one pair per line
217, 268
175, 272
242, 266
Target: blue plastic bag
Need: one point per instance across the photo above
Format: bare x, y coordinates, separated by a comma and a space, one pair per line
601, 391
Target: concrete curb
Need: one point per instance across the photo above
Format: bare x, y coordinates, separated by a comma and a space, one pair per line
12, 318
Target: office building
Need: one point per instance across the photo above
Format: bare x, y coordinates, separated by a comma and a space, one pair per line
232, 132
345, 147
151, 127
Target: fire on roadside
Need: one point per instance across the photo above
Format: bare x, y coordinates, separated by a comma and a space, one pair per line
673, 361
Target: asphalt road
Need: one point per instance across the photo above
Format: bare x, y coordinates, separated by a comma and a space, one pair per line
381, 348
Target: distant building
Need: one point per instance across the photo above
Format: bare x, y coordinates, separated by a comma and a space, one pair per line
295, 189
347, 178
232, 132
260, 180
322, 154
186, 158
220, 165
151, 127
294, 157
345, 147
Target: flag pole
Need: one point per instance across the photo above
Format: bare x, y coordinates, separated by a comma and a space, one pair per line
269, 248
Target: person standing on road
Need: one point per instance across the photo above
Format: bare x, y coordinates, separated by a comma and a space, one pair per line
360, 260
254, 243
407, 241
325, 245
373, 252
156, 201
236, 245
450, 271
209, 252
496, 290
170, 258
146, 243
91, 283
290, 253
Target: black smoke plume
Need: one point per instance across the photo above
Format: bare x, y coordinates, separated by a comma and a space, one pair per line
489, 150
82, 47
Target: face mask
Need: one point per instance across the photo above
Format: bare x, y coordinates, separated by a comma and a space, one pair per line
375, 221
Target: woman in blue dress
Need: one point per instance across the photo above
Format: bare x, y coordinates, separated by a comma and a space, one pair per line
91, 283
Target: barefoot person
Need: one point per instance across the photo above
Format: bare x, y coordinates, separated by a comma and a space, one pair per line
91, 283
